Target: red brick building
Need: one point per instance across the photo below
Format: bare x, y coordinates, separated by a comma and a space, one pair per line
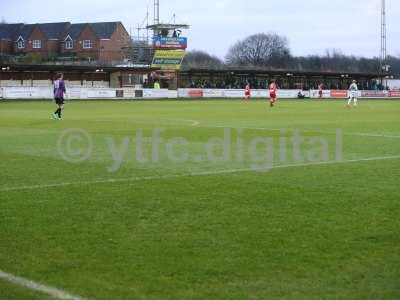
102, 42
97, 41
8, 32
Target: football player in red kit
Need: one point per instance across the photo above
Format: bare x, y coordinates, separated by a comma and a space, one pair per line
273, 93
247, 92
320, 90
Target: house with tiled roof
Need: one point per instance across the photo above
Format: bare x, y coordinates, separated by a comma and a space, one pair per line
103, 41
42, 39
8, 34
96, 41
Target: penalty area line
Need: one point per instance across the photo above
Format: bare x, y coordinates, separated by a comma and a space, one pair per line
194, 174
29, 284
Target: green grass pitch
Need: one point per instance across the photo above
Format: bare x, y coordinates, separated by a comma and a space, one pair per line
319, 225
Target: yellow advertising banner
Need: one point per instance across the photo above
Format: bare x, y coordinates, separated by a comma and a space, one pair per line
168, 59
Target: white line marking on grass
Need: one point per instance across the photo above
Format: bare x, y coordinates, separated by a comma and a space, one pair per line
309, 131
29, 284
194, 174
195, 123
387, 136
192, 122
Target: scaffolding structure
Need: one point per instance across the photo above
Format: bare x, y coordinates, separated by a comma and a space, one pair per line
384, 67
142, 48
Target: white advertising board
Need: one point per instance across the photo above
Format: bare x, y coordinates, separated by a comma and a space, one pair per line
131, 93
259, 94
159, 94
235, 93
291, 94
213, 93
75, 93
101, 93
315, 94
374, 94
27, 93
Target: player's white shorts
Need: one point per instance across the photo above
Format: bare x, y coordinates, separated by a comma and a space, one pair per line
353, 94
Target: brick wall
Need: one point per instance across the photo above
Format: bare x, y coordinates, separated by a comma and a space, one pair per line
29, 42
111, 50
105, 50
6, 47
92, 53
53, 47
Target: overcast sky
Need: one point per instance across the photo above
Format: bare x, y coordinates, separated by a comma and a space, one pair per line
310, 25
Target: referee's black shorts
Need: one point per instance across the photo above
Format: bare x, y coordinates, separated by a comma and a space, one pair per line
59, 101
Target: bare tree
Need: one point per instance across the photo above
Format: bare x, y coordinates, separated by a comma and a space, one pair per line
334, 62
260, 50
3, 21
272, 51
201, 59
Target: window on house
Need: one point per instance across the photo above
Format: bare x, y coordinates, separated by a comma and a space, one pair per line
69, 44
21, 44
87, 44
37, 44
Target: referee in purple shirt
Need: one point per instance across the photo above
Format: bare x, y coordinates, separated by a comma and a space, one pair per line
59, 91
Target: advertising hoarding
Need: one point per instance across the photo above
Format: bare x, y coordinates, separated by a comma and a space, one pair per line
168, 59
161, 42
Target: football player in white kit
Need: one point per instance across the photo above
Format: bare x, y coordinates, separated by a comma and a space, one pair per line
353, 94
